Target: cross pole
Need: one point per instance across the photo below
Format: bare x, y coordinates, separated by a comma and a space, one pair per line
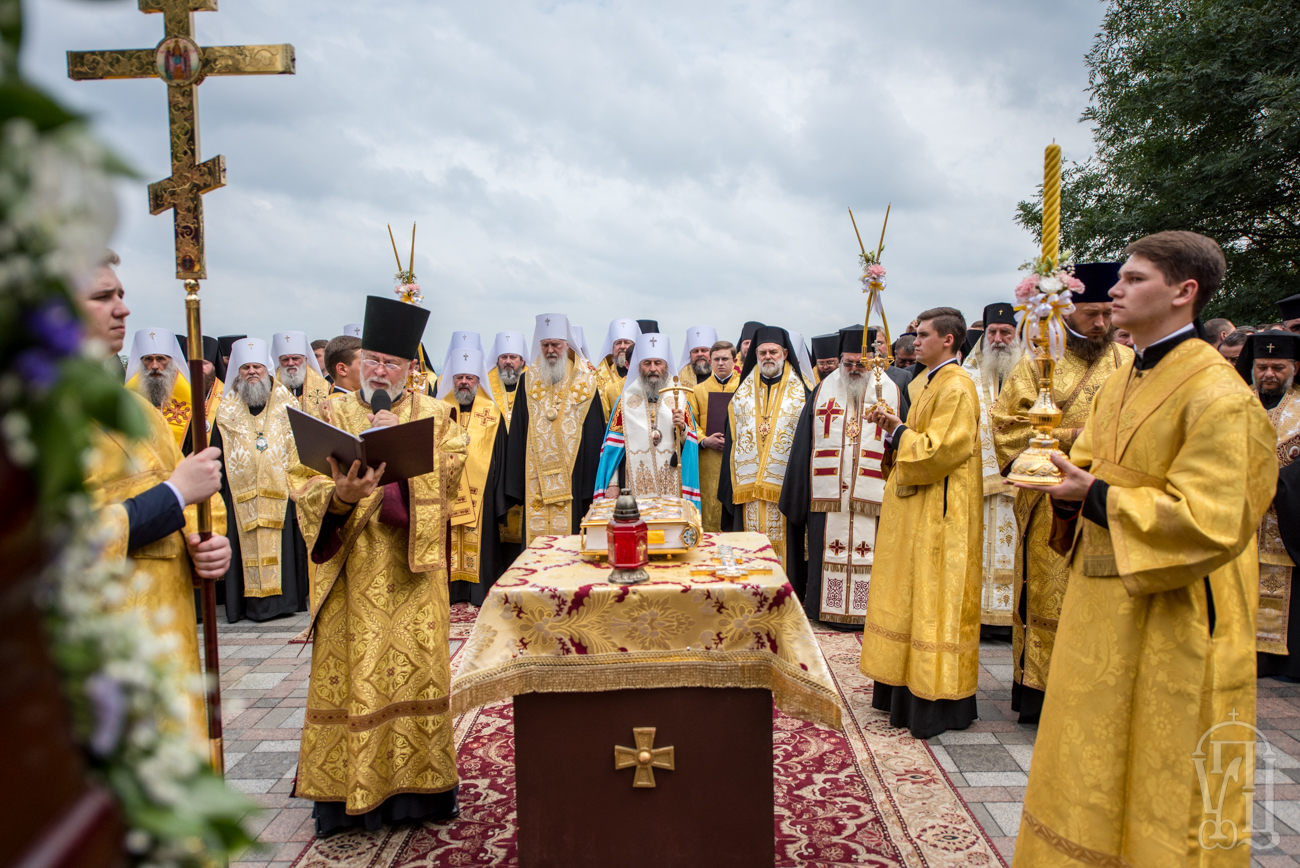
180, 62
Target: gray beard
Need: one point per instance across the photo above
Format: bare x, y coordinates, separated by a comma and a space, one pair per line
855, 387
295, 379
620, 360
158, 387
1274, 393
254, 393
999, 364
769, 369
552, 371
464, 397
507, 376
394, 392
702, 369
651, 386
1089, 349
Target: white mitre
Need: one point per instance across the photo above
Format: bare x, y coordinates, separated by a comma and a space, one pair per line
582, 341
652, 345
293, 344
155, 342
801, 351
461, 341
508, 342
697, 336
465, 361
619, 330
352, 330
250, 350
553, 326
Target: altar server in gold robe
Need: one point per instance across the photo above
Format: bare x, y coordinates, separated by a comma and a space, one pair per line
723, 380
1268, 362
761, 421
990, 364
1041, 575
148, 495
157, 369
1145, 752
694, 367
920, 642
268, 575
611, 367
508, 363
555, 438
476, 553
299, 371
377, 741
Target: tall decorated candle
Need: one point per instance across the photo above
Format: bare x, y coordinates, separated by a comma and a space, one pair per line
1052, 205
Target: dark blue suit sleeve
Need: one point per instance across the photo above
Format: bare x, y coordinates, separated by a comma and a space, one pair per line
152, 516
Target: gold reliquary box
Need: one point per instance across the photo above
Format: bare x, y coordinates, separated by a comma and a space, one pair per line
672, 523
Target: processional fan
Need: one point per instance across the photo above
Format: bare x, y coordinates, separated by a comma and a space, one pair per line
873, 284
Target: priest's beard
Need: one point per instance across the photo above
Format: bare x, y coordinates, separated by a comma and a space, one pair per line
855, 384
998, 360
1089, 349
157, 385
209, 380
769, 368
293, 379
702, 369
1267, 394
552, 370
651, 384
394, 391
507, 376
254, 393
465, 397
620, 360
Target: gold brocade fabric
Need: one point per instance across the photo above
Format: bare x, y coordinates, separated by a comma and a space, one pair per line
1275, 565
553, 447
119, 469
377, 721
505, 401
710, 459
686, 376
553, 624
314, 391
1140, 693
178, 409
609, 384
1073, 385
259, 483
923, 612
467, 512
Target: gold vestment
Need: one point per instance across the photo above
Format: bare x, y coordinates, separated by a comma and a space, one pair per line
314, 391
1275, 565
609, 384
467, 512
1143, 699
376, 721
923, 613
710, 459
555, 416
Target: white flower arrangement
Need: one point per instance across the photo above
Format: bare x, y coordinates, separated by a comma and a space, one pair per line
1045, 300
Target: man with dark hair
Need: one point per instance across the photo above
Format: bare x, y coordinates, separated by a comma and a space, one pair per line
1230, 346
1153, 666
905, 351
723, 380
825, 350
318, 350
1216, 330
1040, 575
343, 364
920, 644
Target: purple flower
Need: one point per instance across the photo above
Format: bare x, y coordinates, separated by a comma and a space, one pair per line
38, 368
56, 327
108, 704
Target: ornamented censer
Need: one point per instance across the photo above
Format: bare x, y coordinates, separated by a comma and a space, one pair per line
1044, 300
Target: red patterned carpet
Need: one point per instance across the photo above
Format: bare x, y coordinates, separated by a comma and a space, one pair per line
869, 795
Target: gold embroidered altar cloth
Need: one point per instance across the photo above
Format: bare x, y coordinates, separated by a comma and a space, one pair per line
553, 624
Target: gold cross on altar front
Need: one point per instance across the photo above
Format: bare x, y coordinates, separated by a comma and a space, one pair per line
645, 756
183, 64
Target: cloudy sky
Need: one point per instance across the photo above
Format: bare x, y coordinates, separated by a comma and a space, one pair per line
685, 161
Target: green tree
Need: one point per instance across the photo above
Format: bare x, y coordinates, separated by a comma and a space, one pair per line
1197, 111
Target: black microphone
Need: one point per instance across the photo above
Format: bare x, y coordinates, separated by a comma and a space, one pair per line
380, 400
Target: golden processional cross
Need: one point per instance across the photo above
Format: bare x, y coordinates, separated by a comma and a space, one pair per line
182, 64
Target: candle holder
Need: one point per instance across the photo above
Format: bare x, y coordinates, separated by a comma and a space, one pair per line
1034, 465
629, 543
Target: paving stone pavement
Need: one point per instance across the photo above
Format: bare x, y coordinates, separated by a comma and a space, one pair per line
264, 694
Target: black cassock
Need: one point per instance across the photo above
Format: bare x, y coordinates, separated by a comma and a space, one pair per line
494, 556
294, 584
585, 463
1287, 503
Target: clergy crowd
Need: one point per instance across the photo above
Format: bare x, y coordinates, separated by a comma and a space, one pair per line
1142, 595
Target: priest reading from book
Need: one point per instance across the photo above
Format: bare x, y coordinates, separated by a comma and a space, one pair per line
694, 367
651, 444
1153, 670
476, 555
835, 485
148, 495
615, 354
298, 370
508, 364
920, 643
377, 742
989, 363
158, 370
1040, 574
709, 406
555, 435
761, 420
1268, 362
268, 566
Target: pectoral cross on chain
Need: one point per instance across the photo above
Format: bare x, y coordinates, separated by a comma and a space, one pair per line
183, 65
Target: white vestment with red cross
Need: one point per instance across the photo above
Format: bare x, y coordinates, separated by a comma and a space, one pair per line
848, 485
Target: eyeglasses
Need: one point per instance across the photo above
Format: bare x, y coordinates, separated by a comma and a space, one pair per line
371, 363
854, 366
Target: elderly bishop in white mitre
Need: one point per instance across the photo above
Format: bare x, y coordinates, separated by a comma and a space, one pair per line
693, 368
555, 433
299, 371
646, 427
